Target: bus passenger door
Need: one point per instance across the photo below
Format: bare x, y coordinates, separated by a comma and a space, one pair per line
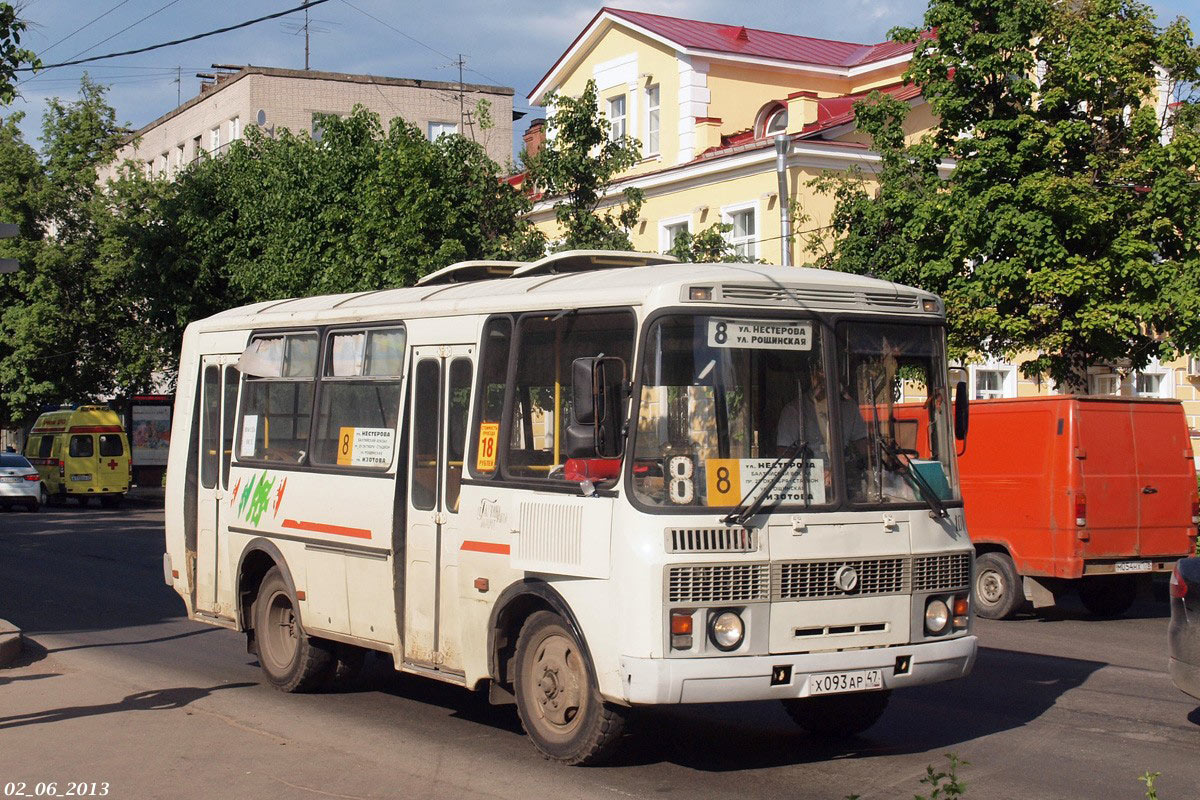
218, 402
442, 377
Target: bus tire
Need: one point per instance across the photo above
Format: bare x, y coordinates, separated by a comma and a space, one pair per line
291, 660
838, 716
347, 669
1108, 596
998, 589
557, 698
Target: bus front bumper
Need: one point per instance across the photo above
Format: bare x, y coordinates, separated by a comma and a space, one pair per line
657, 681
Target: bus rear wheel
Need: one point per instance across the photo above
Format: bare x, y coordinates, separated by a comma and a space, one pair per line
291, 660
838, 716
557, 698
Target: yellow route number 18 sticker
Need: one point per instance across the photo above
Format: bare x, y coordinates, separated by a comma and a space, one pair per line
489, 440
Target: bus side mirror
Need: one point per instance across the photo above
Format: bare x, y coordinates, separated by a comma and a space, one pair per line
597, 408
961, 411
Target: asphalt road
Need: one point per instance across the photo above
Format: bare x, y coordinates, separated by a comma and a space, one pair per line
116, 687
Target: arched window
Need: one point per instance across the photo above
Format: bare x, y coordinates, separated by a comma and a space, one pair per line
772, 120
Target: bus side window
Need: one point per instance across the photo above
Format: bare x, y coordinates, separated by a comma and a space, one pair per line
458, 400
277, 398
547, 346
493, 379
360, 398
228, 417
209, 457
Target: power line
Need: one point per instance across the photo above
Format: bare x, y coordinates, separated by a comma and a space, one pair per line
397, 30
84, 25
158, 10
174, 42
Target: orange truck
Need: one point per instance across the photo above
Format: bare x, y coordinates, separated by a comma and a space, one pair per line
1073, 493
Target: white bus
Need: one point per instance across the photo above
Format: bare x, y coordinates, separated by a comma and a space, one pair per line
592, 482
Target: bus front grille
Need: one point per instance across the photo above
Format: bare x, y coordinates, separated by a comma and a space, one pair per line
941, 572
807, 580
711, 540
718, 583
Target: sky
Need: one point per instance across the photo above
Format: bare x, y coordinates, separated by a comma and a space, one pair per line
510, 43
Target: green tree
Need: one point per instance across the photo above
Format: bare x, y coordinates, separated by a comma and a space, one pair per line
709, 246
62, 318
1068, 224
12, 55
576, 168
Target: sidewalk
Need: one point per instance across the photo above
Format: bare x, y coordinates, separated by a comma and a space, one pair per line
146, 496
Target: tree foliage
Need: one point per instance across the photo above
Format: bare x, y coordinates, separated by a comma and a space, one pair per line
709, 246
575, 168
12, 55
115, 272
1068, 223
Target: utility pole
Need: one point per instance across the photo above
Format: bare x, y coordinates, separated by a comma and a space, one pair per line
305, 34
8, 230
178, 86
462, 119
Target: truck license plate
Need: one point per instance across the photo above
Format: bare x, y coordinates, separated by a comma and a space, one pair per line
1132, 566
853, 681
81, 477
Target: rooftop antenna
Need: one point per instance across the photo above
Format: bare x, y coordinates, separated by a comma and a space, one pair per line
178, 86
308, 27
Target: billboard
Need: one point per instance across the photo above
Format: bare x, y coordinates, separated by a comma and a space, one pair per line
150, 434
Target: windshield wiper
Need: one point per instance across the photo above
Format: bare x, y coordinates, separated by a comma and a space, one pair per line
927, 492
743, 512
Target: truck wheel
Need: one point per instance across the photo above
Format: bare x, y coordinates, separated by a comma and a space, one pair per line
998, 592
838, 716
1107, 595
291, 660
557, 699
43, 495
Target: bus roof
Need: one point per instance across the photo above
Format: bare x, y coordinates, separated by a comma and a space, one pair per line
751, 285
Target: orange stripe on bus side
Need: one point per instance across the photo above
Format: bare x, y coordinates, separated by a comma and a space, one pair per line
321, 527
486, 547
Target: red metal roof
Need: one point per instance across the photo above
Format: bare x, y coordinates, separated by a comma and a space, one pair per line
739, 40
835, 111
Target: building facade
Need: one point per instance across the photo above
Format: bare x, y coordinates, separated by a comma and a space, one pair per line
708, 101
275, 99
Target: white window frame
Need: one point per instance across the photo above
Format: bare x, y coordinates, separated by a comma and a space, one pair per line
214, 140
1097, 381
1008, 384
235, 128
1166, 385
179, 157
654, 120
751, 242
665, 240
617, 123
444, 128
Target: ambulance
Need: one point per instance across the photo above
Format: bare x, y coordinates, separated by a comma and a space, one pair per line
81, 452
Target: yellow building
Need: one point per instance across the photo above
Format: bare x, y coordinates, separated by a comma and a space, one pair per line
708, 101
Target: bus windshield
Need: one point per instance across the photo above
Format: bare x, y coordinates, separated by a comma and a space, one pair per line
722, 399
896, 424
733, 407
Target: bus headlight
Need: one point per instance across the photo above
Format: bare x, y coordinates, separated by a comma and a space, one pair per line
937, 616
726, 630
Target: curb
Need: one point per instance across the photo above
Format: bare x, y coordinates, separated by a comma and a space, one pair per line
10, 642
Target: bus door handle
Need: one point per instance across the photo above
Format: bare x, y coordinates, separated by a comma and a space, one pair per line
1149, 490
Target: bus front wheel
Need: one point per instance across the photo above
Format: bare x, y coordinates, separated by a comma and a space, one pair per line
838, 716
291, 660
557, 697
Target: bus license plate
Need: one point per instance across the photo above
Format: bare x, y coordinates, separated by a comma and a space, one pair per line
854, 681
1132, 566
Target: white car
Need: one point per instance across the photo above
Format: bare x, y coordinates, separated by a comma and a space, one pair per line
20, 483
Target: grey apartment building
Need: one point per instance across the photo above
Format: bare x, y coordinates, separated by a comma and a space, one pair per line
274, 99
